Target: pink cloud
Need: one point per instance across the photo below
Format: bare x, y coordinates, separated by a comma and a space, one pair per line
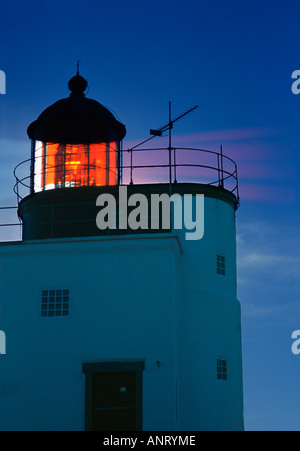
261, 163
266, 193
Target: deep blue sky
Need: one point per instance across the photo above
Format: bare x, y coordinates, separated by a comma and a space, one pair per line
234, 59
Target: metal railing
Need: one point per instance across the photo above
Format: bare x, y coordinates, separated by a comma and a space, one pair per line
8, 226
151, 166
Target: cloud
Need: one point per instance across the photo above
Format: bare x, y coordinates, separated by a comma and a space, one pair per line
259, 311
271, 193
214, 137
270, 261
262, 165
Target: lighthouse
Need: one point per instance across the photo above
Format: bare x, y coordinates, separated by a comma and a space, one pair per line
117, 317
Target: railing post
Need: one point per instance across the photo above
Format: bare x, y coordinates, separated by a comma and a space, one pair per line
237, 183
170, 164
170, 142
222, 169
119, 162
219, 175
175, 169
131, 168
32, 167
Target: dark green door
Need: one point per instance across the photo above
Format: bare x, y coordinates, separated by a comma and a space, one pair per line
114, 401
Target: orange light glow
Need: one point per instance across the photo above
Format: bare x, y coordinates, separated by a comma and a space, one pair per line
75, 165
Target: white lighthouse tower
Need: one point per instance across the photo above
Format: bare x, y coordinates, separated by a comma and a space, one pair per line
118, 328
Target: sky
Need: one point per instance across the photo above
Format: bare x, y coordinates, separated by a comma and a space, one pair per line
235, 61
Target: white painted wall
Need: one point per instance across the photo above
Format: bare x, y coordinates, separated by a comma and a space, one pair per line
156, 297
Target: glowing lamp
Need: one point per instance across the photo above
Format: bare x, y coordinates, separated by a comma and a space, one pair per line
59, 165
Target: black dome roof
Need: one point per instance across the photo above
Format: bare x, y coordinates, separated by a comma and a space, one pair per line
76, 119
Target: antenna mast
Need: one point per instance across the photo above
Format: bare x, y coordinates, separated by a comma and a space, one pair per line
168, 126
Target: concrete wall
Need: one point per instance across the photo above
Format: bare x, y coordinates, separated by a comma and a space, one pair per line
155, 297
120, 307
210, 326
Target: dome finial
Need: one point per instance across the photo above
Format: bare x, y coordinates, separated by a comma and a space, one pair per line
77, 84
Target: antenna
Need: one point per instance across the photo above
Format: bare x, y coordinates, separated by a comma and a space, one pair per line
168, 126
78, 62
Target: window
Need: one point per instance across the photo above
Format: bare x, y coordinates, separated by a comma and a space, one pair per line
222, 369
221, 265
55, 303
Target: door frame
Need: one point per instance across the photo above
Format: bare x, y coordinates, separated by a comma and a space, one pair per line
104, 366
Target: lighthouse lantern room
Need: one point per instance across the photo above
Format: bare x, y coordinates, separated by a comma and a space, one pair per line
75, 143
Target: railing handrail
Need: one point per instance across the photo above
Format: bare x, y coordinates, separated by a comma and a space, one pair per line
223, 174
10, 224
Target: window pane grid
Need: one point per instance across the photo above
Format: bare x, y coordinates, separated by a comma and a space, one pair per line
55, 303
221, 265
221, 369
